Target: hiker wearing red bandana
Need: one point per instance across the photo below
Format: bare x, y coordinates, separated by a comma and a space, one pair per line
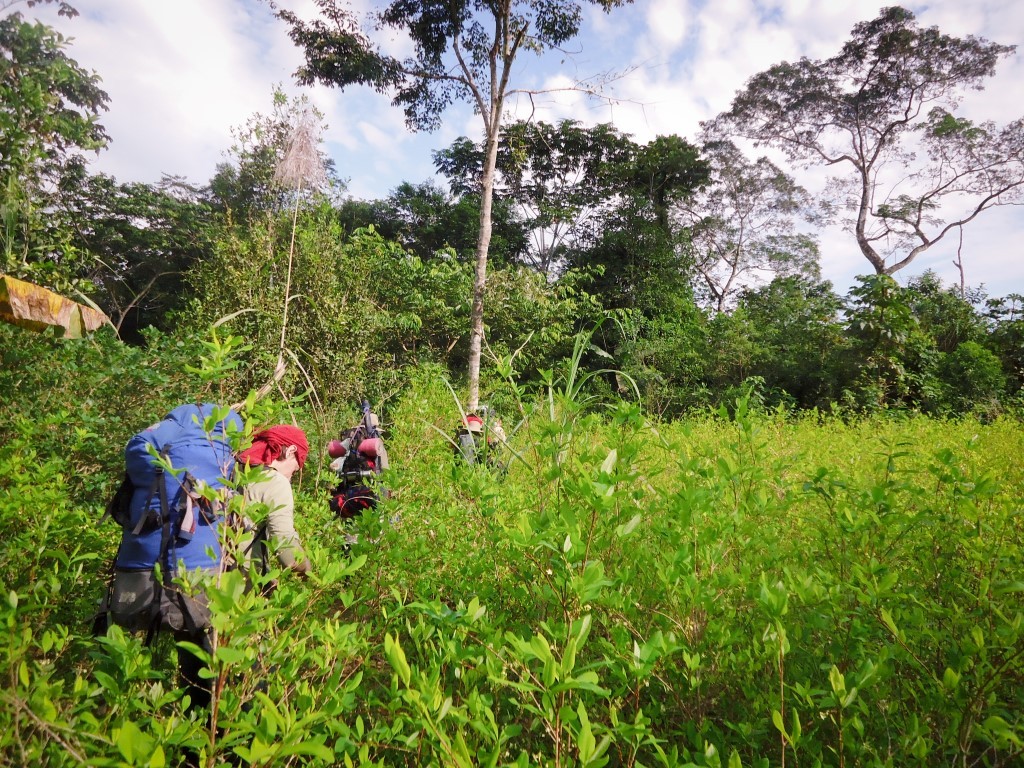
282, 450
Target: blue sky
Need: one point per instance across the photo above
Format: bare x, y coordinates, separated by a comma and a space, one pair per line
182, 73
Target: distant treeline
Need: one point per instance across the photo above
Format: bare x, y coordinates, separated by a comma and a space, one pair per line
666, 247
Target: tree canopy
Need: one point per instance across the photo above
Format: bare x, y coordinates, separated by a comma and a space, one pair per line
49, 116
463, 51
884, 109
742, 224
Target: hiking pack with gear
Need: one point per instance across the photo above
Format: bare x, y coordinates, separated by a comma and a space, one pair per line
477, 438
359, 456
170, 505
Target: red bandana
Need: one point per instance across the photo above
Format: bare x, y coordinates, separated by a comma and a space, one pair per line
270, 443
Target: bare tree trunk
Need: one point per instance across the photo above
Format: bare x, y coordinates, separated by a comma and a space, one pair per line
476, 333
959, 264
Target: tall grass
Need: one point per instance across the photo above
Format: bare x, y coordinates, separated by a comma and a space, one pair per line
740, 589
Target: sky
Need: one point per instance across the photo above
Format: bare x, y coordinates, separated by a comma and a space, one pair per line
181, 74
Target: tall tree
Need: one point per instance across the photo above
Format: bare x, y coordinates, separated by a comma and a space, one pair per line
49, 111
464, 50
639, 254
883, 108
742, 225
560, 177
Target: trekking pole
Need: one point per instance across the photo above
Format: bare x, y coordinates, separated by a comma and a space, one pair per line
371, 428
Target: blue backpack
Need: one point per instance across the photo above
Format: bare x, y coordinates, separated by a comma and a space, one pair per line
166, 516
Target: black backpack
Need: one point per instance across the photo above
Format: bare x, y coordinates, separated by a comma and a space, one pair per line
359, 464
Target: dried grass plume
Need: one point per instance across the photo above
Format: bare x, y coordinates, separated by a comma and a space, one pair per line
302, 166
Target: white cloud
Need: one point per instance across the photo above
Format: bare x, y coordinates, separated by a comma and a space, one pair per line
666, 23
182, 73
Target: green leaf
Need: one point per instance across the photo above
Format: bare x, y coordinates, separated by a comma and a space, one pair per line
887, 620
569, 657
628, 528
230, 655
311, 748
1009, 587
978, 636
950, 679
474, 610
609, 462
462, 756
779, 725
585, 741
837, 681
583, 630
132, 743
396, 656
997, 726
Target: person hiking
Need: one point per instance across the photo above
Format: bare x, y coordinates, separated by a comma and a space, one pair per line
171, 508
359, 457
282, 451
479, 437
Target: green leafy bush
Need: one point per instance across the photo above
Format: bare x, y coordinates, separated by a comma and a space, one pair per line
744, 588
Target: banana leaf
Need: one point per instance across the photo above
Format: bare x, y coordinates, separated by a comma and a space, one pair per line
37, 308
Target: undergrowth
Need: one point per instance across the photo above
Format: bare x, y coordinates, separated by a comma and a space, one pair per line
738, 589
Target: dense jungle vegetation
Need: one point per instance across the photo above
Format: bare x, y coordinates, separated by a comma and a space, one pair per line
741, 521
748, 587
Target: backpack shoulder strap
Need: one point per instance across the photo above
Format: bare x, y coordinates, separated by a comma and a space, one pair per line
118, 508
257, 551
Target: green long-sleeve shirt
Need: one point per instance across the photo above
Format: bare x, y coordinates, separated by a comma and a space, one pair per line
275, 491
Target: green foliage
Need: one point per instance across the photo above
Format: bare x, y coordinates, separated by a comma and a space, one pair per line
80, 401
427, 222
973, 369
562, 177
364, 309
797, 339
667, 356
338, 331
249, 185
948, 315
137, 240
635, 256
894, 358
49, 108
742, 588
886, 100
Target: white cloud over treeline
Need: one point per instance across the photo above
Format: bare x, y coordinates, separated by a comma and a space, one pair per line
182, 74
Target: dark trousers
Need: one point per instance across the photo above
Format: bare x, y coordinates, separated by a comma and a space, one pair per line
190, 667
